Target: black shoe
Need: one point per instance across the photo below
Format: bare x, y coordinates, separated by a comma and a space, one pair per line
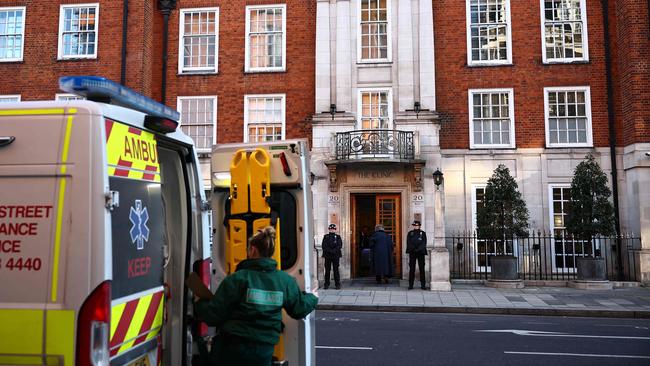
410, 287
425, 288
326, 287
338, 287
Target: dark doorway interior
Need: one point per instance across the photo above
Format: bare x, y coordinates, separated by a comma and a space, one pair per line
364, 223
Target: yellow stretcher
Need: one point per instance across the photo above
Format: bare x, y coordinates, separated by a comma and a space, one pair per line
250, 194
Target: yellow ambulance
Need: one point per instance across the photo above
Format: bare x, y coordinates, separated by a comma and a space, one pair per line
102, 216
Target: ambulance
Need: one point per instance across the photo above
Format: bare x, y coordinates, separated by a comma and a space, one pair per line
102, 217
259, 184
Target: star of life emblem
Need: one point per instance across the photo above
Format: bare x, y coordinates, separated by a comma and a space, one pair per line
139, 231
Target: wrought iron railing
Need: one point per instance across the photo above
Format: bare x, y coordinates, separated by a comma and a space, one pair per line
390, 144
542, 256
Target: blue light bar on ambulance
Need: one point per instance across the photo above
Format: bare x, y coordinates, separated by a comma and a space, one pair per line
102, 89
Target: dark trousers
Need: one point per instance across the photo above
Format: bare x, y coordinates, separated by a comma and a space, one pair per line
419, 258
231, 350
332, 263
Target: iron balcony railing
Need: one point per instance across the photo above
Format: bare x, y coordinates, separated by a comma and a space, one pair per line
388, 144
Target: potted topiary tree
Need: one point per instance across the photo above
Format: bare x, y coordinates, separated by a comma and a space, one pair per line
502, 217
590, 214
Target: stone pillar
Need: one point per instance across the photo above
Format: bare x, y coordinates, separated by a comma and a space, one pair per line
636, 165
426, 51
343, 57
439, 257
323, 54
405, 56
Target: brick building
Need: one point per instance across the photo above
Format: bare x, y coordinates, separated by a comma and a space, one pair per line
388, 91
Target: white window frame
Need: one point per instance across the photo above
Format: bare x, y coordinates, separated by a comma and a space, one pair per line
181, 43
284, 111
474, 235
22, 46
247, 65
59, 97
587, 91
62, 8
214, 98
511, 111
11, 96
551, 212
585, 40
389, 37
468, 30
360, 92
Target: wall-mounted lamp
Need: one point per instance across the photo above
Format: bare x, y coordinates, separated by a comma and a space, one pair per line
333, 110
437, 178
417, 108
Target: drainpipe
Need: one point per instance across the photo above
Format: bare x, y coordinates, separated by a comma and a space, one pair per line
125, 27
612, 132
166, 7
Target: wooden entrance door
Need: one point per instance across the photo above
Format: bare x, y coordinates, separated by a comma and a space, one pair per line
388, 213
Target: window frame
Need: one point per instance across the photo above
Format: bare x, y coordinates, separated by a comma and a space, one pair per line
284, 112
215, 120
247, 59
468, 31
587, 91
389, 32
511, 111
360, 91
22, 46
18, 96
552, 227
62, 7
585, 38
475, 237
181, 43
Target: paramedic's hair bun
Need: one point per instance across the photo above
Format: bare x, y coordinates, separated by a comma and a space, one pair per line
264, 241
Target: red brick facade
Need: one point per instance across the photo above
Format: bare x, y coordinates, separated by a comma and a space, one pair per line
527, 75
35, 78
632, 84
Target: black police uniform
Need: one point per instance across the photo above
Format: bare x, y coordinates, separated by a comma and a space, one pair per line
332, 245
416, 247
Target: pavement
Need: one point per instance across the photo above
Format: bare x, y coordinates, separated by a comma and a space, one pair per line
629, 301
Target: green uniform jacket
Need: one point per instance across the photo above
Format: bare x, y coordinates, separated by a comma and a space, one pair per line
248, 303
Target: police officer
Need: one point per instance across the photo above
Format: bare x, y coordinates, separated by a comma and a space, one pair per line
416, 248
332, 245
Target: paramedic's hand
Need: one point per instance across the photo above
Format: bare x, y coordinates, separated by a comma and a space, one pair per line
194, 283
315, 292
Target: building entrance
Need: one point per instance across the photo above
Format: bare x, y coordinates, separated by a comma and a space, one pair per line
367, 211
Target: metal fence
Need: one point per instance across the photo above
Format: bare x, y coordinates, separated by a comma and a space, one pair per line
543, 256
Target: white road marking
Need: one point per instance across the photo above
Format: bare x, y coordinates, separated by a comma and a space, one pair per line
574, 354
467, 321
624, 326
537, 333
353, 348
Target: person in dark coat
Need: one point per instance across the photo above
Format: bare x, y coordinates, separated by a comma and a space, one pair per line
416, 248
382, 246
332, 245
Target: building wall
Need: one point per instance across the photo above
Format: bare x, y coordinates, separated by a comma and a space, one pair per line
527, 75
231, 83
36, 77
